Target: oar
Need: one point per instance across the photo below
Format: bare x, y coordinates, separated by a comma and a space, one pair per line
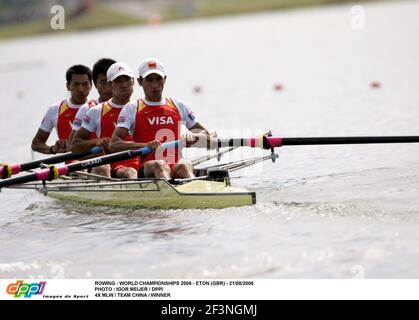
6, 171
274, 142
55, 172
206, 158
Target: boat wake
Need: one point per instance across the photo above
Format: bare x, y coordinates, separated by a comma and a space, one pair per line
384, 193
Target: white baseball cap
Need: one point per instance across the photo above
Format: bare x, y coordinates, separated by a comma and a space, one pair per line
119, 69
150, 66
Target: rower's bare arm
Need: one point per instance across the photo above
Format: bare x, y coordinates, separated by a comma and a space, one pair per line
119, 144
39, 144
71, 139
83, 143
199, 129
200, 136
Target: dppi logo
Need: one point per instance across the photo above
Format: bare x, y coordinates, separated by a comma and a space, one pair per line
27, 290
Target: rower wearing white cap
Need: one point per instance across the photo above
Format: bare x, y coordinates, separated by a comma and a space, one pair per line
102, 119
154, 120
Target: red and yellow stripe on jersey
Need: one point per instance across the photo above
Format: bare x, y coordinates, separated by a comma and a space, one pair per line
158, 123
109, 117
66, 117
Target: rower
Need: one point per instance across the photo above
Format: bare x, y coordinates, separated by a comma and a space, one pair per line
154, 120
102, 119
104, 89
61, 115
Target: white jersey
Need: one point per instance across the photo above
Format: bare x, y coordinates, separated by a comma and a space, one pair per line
93, 118
50, 120
95, 102
128, 115
78, 120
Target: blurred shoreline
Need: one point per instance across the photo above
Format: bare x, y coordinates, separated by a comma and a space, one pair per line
30, 17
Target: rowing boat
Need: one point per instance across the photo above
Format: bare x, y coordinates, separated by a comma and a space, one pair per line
149, 193
210, 189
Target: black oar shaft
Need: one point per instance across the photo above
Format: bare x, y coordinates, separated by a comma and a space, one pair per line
52, 160
274, 142
18, 180
120, 156
111, 158
348, 140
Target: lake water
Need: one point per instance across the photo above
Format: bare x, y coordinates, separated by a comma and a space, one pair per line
321, 212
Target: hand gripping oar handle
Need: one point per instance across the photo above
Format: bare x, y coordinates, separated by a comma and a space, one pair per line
259, 142
6, 171
54, 172
275, 142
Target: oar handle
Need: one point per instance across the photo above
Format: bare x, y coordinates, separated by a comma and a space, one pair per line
96, 150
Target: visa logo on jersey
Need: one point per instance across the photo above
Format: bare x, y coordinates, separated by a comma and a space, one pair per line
27, 290
160, 120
